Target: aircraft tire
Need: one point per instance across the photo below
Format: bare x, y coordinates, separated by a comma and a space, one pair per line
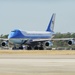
14, 48
21, 48
29, 48
41, 48
36, 48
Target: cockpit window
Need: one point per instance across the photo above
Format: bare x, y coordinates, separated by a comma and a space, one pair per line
12, 31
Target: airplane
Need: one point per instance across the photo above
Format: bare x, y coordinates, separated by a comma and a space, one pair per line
38, 40
34, 40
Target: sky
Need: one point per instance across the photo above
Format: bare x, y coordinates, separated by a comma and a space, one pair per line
34, 15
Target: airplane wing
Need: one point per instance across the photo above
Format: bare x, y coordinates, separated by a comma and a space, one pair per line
37, 40
54, 39
4, 39
62, 39
34, 40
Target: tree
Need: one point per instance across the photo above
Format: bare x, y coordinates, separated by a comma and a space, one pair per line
4, 36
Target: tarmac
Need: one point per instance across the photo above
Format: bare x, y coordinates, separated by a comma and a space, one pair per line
37, 64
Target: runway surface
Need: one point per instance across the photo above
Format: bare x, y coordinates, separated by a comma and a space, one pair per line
37, 64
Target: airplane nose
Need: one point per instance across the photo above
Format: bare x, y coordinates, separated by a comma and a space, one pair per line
11, 35
15, 34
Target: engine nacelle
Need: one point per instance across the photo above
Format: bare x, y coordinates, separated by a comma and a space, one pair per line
71, 42
4, 43
48, 43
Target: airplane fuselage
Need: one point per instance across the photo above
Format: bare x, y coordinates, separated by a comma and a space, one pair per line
29, 35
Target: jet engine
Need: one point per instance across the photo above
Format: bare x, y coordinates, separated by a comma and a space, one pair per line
71, 42
48, 44
4, 43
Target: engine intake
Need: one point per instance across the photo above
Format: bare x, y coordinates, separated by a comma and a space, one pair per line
47, 44
3, 44
70, 42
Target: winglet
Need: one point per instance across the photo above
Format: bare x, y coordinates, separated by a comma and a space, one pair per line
50, 27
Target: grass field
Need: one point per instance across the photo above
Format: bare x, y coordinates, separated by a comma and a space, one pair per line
44, 52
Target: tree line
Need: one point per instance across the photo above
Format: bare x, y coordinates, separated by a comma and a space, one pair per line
64, 35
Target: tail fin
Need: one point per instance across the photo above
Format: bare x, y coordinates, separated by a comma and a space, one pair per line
50, 27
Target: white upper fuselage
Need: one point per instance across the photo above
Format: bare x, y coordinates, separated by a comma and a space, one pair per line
37, 34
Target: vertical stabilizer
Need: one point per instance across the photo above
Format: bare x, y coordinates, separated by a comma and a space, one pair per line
50, 27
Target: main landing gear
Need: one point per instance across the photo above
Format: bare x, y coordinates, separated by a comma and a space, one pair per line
17, 48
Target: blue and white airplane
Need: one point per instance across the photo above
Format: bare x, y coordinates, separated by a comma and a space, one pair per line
32, 39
